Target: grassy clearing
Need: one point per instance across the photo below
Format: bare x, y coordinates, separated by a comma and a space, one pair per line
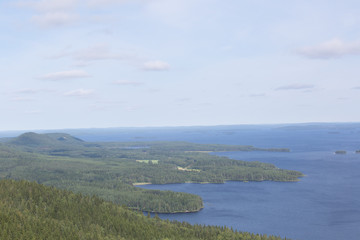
141, 183
148, 161
187, 169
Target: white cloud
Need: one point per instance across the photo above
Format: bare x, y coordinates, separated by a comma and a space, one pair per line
183, 99
156, 66
133, 108
33, 112
54, 19
102, 31
295, 86
177, 13
334, 48
31, 91
98, 52
22, 99
27, 91
97, 3
80, 64
50, 5
94, 53
257, 95
125, 82
52, 13
65, 75
80, 92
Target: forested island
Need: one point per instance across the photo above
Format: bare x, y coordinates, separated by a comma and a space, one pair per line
110, 170
32, 211
340, 152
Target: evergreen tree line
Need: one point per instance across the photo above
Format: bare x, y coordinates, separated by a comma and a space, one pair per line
32, 211
109, 170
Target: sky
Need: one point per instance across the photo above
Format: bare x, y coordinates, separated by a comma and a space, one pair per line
135, 63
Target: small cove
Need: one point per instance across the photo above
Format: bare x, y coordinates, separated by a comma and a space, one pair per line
323, 205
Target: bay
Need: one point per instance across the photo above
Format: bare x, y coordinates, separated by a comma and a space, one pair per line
325, 204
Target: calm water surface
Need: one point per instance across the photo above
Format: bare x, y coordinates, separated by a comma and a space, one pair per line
324, 205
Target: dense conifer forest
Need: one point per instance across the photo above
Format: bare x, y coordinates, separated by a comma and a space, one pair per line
110, 170
32, 211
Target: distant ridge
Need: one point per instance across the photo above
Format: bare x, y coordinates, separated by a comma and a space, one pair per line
31, 139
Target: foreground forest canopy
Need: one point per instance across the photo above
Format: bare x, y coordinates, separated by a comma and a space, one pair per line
110, 170
32, 211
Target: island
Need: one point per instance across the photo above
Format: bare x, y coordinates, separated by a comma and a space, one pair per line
111, 170
340, 152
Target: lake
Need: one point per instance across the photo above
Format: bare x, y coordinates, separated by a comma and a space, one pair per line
323, 205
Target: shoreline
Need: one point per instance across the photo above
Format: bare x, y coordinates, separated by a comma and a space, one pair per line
228, 180
187, 211
141, 183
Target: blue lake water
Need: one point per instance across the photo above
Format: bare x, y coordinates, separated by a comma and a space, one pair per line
324, 205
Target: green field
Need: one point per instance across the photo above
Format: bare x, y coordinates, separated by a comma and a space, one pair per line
148, 161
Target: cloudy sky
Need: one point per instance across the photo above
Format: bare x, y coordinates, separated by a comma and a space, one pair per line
120, 63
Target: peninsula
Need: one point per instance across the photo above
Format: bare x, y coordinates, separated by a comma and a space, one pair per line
110, 170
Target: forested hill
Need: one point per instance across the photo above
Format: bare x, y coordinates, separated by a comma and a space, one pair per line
31, 139
52, 142
110, 170
32, 211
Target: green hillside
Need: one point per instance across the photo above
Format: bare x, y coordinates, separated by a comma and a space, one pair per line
110, 170
32, 211
49, 140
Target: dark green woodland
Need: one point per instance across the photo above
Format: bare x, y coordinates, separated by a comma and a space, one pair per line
32, 211
110, 170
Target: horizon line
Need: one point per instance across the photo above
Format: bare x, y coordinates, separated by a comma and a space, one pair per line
175, 126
